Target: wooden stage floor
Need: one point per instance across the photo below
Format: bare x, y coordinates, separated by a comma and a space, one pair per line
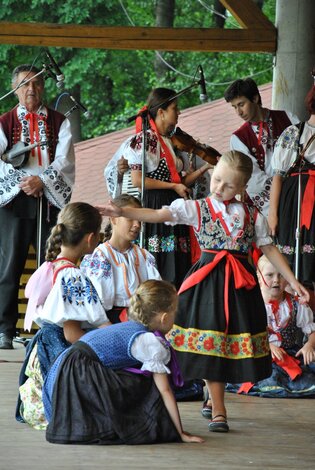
265, 434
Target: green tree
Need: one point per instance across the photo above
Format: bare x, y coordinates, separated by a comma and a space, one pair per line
114, 84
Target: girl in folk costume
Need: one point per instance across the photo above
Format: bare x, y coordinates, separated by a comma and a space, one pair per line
113, 382
118, 266
163, 184
290, 164
285, 317
220, 330
64, 302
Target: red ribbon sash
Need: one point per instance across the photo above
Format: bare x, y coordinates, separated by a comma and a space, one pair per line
33, 118
242, 278
175, 177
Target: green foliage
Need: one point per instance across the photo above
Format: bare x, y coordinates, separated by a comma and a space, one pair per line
114, 84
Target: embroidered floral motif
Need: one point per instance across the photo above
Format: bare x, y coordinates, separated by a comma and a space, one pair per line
169, 244
212, 235
74, 290
216, 343
290, 250
97, 266
58, 184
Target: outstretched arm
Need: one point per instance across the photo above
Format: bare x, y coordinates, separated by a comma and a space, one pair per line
278, 260
275, 192
162, 383
141, 214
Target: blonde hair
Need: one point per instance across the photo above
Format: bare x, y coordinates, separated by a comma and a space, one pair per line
151, 298
74, 221
121, 201
240, 162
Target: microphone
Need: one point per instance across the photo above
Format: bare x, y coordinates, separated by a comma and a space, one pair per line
203, 92
80, 106
50, 74
59, 75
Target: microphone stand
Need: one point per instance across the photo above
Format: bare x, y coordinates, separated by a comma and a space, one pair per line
145, 125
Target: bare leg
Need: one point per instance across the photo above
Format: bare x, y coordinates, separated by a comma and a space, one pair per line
218, 422
216, 392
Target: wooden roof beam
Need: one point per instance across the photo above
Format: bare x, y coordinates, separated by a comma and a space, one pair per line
162, 39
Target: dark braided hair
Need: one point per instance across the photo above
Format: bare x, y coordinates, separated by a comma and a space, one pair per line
121, 201
74, 221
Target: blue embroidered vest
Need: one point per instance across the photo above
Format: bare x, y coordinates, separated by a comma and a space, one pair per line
113, 344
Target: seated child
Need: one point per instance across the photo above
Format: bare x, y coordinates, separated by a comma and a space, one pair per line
117, 266
293, 367
112, 386
64, 303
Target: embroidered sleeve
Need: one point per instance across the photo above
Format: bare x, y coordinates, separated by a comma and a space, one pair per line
99, 270
261, 231
305, 319
58, 178
134, 152
10, 177
73, 297
285, 152
152, 352
183, 212
151, 268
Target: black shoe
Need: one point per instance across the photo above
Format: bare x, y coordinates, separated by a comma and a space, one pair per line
5, 341
206, 410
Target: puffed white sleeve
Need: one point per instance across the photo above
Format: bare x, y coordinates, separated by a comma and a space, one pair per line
151, 268
99, 270
183, 212
285, 151
262, 236
305, 319
72, 297
152, 352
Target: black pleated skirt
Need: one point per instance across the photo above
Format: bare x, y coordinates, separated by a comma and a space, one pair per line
288, 210
205, 350
92, 404
170, 245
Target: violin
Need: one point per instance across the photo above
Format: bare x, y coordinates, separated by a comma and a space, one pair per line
185, 142
19, 153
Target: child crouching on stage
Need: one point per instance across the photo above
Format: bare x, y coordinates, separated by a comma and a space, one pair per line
112, 386
220, 331
293, 367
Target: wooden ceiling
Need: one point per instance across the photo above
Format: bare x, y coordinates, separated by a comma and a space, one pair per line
257, 34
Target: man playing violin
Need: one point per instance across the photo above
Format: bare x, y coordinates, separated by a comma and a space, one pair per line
257, 136
47, 176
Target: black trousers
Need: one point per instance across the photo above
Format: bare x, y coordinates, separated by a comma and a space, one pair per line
18, 230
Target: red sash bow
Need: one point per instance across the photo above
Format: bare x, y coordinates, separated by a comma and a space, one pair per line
242, 278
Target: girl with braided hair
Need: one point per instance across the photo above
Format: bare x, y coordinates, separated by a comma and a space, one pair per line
62, 301
113, 382
118, 265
